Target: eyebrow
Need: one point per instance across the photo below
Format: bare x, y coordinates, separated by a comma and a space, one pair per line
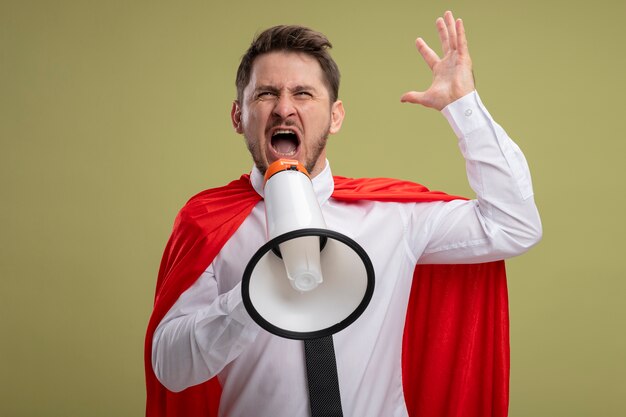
302, 88
266, 88
274, 89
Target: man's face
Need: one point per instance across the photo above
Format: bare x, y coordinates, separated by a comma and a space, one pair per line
286, 111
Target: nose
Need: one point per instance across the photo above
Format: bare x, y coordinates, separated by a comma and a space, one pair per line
284, 106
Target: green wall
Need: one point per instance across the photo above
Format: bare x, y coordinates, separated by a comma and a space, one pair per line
113, 113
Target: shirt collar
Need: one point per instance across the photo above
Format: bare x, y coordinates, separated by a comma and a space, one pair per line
323, 184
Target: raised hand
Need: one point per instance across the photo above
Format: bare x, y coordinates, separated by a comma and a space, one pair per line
452, 73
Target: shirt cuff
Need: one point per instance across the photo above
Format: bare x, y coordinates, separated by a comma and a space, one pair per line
235, 307
466, 114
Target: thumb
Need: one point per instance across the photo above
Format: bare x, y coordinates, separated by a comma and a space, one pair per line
415, 97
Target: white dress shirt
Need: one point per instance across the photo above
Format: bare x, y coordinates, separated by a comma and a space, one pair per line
208, 332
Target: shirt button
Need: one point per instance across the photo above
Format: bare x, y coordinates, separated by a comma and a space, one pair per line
468, 112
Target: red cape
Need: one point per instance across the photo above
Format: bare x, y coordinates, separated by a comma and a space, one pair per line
455, 359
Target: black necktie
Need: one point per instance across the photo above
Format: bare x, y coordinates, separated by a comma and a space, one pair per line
321, 370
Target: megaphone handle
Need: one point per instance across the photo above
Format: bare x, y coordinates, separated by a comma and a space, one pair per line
321, 371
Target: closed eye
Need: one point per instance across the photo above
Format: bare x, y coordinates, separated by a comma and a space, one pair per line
303, 94
265, 95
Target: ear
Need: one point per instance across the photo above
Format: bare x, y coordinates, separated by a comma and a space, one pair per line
337, 113
235, 117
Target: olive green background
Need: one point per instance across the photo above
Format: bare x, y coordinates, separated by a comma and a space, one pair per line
113, 113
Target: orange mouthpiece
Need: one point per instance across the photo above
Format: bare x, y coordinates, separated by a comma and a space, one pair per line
285, 165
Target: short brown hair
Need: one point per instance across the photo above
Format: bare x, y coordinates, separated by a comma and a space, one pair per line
290, 38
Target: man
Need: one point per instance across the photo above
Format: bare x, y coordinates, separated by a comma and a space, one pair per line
287, 106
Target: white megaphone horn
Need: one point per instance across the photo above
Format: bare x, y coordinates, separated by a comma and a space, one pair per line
307, 281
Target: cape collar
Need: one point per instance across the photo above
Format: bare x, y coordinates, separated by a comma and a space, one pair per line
323, 183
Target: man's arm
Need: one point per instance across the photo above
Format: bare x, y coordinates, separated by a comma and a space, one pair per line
503, 221
182, 356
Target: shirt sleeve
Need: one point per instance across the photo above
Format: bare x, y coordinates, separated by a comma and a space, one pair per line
201, 334
502, 221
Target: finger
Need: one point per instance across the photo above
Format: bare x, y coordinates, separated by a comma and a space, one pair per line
461, 39
428, 54
443, 35
451, 27
415, 97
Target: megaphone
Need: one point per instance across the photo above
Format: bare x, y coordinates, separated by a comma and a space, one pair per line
307, 281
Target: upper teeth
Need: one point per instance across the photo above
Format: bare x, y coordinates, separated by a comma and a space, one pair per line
278, 132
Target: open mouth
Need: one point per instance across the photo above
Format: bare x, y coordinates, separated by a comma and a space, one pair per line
285, 142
